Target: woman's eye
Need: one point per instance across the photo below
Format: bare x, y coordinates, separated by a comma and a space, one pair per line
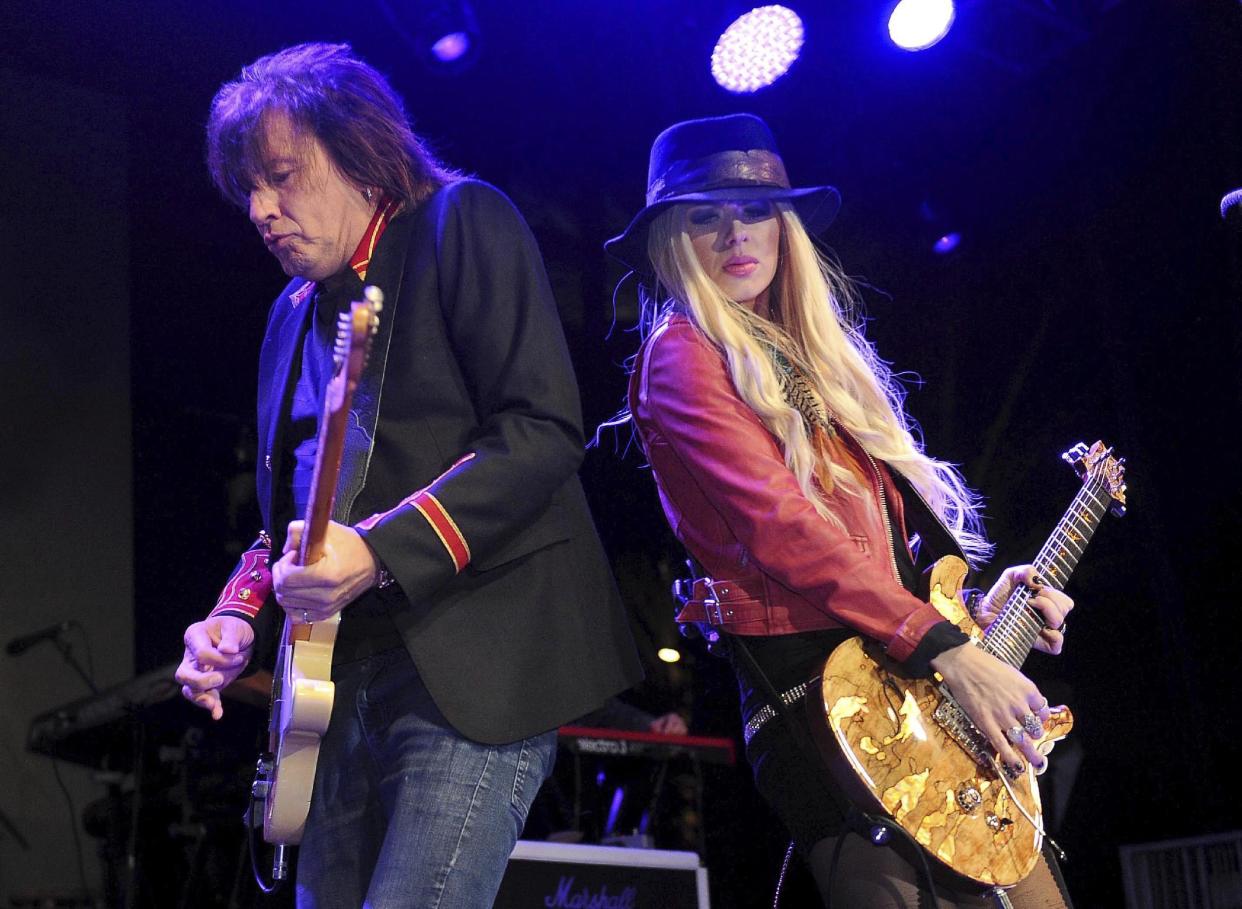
757, 211
278, 179
703, 215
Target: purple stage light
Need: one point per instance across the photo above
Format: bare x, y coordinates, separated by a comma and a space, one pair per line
451, 47
757, 49
916, 25
614, 810
947, 243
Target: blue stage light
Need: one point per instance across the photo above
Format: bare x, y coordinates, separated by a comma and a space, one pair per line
443, 33
918, 24
451, 47
947, 243
757, 49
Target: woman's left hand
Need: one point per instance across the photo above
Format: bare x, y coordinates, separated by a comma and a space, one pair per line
1050, 603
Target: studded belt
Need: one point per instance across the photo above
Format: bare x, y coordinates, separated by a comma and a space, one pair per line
766, 713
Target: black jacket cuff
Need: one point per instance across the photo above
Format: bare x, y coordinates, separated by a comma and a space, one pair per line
940, 637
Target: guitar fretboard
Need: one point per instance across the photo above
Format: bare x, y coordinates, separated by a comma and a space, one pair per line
1013, 634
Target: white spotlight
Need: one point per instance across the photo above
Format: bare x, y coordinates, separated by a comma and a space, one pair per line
918, 24
757, 49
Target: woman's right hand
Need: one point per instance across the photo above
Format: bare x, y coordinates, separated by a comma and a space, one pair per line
997, 698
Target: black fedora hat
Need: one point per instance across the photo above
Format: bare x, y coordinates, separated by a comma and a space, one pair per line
733, 158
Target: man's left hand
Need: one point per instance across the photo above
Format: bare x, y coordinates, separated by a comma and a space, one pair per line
313, 593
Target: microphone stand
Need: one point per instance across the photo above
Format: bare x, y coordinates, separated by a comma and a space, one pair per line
6, 823
7, 826
66, 653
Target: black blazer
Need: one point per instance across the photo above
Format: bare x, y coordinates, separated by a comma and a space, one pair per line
531, 633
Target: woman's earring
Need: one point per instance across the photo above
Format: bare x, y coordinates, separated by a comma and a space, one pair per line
368, 194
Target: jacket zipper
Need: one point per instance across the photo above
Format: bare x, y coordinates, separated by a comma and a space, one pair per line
879, 483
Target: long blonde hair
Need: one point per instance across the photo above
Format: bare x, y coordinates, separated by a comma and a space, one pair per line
815, 328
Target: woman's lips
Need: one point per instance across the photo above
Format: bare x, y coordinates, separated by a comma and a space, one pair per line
741, 268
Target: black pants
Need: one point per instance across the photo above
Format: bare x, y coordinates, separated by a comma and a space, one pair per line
890, 877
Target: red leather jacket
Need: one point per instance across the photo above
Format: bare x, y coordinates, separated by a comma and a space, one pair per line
778, 567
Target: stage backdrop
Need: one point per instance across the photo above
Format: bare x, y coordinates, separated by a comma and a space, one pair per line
65, 453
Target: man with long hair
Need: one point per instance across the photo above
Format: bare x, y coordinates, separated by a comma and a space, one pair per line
477, 609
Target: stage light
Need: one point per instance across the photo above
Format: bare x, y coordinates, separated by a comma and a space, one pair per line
451, 47
444, 34
757, 49
668, 654
916, 25
947, 243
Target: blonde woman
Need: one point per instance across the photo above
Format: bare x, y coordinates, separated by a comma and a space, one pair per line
786, 465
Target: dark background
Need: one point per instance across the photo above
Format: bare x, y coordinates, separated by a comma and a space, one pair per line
1081, 150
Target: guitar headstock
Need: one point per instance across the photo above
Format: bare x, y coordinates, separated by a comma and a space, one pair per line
354, 331
1099, 463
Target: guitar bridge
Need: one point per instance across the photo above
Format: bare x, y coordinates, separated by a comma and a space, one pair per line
953, 720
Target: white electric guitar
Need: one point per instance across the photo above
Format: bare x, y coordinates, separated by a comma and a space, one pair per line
302, 688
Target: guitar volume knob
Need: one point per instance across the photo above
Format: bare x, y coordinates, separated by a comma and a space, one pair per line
969, 799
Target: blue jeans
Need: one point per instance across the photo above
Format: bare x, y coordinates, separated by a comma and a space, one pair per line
406, 812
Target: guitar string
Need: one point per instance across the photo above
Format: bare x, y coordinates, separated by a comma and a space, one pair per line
1019, 615
1003, 639
1004, 778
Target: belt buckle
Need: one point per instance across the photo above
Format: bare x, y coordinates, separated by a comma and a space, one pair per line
715, 615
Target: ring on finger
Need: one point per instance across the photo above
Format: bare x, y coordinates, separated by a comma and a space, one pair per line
1032, 726
1015, 734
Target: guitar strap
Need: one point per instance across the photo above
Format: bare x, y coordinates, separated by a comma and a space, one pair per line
385, 273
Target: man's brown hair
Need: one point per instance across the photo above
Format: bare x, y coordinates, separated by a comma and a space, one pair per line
328, 93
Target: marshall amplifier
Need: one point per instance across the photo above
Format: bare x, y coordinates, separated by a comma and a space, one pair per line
565, 876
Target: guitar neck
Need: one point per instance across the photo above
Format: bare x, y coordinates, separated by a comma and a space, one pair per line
1059, 556
354, 330
323, 485
1015, 630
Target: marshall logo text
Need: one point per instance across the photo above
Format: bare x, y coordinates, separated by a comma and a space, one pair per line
585, 898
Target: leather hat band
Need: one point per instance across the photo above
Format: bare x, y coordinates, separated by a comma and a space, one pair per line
756, 168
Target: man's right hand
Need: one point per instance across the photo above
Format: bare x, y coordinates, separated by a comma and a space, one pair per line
216, 651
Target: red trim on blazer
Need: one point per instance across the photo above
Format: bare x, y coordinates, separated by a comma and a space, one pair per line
436, 515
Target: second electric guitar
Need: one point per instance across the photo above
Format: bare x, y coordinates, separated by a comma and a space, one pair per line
903, 744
